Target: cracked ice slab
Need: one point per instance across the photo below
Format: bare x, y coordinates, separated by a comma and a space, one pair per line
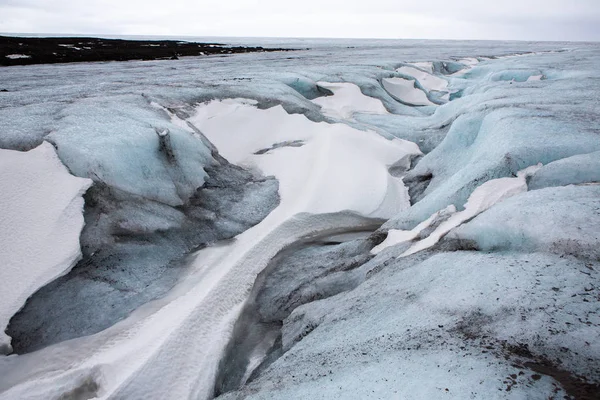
42, 216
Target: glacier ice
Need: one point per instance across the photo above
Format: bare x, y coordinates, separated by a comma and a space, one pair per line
408, 331
480, 147
277, 293
582, 168
562, 220
129, 159
135, 250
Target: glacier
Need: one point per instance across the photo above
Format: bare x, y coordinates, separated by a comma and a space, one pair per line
356, 219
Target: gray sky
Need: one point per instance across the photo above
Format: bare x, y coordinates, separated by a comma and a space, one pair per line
428, 19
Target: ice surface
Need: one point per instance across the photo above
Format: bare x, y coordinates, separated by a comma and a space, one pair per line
583, 168
479, 147
135, 250
42, 216
482, 198
395, 236
562, 220
448, 326
472, 316
126, 129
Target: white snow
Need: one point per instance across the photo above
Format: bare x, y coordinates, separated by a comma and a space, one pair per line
470, 61
428, 81
406, 91
424, 65
40, 222
347, 99
338, 167
535, 78
16, 56
397, 236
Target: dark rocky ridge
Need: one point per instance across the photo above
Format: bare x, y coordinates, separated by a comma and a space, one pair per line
85, 49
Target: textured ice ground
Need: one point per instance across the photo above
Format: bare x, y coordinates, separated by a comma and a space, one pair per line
483, 283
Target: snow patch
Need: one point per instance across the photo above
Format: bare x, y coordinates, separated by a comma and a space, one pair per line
347, 99
397, 236
406, 91
338, 168
427, 80
42, 216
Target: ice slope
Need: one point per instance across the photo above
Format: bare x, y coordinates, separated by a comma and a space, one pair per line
143, 215
484, 145
42, 217
582, 168
561, 220
443, 221
448, 325
126, 129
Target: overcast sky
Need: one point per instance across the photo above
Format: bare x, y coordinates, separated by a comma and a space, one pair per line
428, 19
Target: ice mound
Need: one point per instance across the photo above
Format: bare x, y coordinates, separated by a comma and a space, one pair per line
485, 196
127, 129
42, 216
562, 220
583, 168
307, 87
